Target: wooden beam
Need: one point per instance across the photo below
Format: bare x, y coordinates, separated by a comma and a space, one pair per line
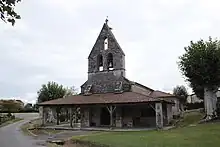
43, 115
58, 116
152, 107
111, 110
71, 117
156, 111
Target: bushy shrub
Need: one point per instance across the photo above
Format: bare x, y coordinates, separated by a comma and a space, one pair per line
190, 106
9, 115
12, 117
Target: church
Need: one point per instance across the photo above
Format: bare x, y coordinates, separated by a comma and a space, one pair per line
108, 98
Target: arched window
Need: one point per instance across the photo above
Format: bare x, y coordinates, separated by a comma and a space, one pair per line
100, 62
110, 61
106, 43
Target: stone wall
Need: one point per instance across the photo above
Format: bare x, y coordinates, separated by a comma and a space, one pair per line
176, 106
169, 113
40, 111
134, 112
159, 115
95, 116
98, 49
85, 117
105, 82
52, 115
122, 117
118, 119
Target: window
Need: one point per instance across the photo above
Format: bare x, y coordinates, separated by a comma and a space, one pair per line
100, 62
110, 61
88, 89
106, 43
118, 86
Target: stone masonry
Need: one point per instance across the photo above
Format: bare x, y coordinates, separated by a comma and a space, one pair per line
105, 81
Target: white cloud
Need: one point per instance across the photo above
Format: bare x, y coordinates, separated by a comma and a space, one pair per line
54, 37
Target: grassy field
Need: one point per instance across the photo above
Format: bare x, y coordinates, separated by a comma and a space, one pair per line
190, 118
185, 135
202, 135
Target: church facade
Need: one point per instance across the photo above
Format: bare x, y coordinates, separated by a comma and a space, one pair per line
109, 99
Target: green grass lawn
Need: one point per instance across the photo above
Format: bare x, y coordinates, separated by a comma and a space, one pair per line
10, 122
190, 118
203, 135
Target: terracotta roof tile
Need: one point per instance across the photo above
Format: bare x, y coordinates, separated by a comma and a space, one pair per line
107, 98
160, 94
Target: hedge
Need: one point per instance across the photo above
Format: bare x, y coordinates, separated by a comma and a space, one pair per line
190, 106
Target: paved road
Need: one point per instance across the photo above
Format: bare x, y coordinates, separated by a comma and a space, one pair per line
12, 136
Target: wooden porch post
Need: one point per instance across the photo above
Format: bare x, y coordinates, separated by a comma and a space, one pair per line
159, 115
43, 115
71, 117
111, 109
111, 117
58, 116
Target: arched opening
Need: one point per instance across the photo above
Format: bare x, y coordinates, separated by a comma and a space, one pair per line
110, 61
100, 62
106, 43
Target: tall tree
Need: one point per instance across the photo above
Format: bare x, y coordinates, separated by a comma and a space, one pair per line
198, 90
51, 91
10, 106
200, 64
28, 106
71, 91
181, 92
7, 12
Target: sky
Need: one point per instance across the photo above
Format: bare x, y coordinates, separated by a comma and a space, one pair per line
53, 39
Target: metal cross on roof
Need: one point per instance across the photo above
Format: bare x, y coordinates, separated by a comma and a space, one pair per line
106, 20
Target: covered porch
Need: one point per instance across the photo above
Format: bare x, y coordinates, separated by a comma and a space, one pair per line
121, 110
135, 115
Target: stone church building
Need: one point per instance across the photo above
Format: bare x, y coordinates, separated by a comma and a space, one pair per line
108, 98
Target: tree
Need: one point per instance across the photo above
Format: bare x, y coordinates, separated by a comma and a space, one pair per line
10, 106
28, 106
7, 12
35, 107
181, 92
51, 91
198, 90
200, 64
71, 91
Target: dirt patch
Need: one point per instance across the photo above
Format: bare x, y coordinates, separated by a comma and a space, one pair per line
33, 128
76, 143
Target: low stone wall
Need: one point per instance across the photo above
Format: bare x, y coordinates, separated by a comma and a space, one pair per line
26, 115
